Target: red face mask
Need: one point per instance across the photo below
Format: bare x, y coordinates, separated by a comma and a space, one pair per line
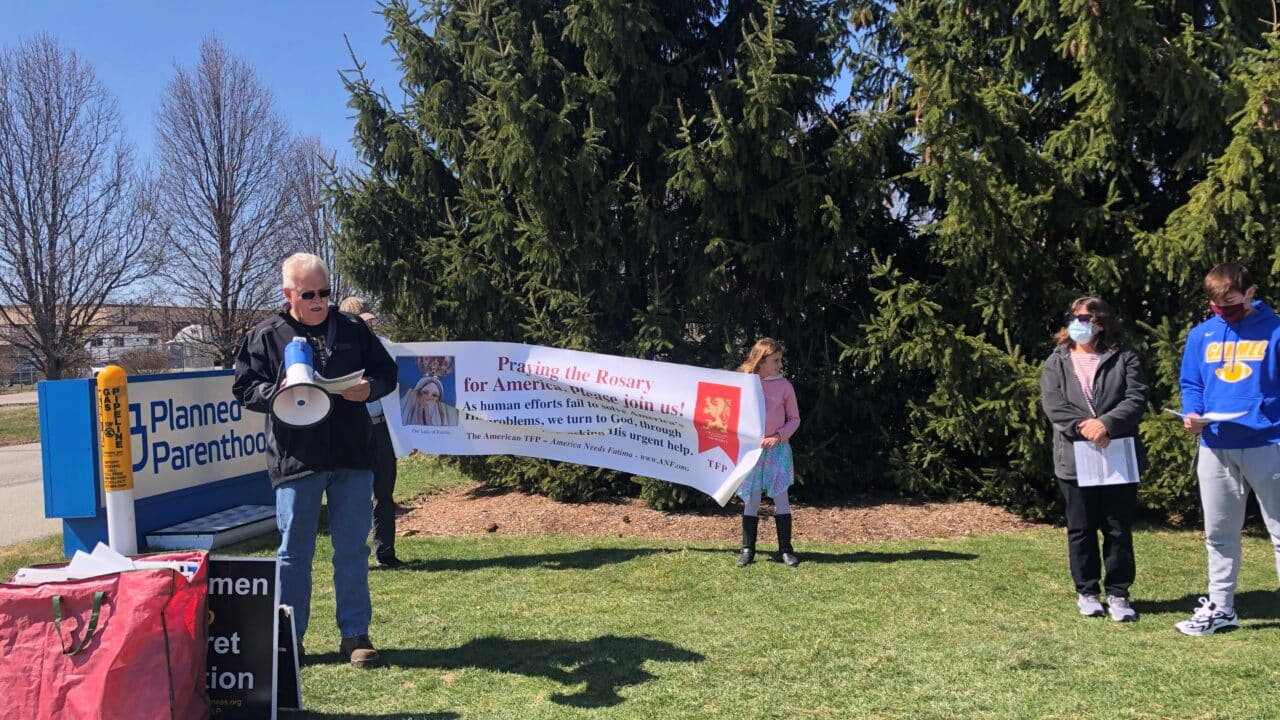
1232, 314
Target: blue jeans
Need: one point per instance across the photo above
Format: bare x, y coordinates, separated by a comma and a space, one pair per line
298, 517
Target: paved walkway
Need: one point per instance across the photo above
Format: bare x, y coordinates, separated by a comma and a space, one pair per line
22, 495
27, 397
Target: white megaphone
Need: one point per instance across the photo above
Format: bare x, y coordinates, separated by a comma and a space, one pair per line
301, 402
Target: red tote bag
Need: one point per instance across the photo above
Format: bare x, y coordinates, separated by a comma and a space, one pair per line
124, 645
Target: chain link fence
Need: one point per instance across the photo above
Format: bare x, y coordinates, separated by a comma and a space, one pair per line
144, 360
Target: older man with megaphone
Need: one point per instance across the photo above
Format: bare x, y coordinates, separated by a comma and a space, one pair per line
311, 369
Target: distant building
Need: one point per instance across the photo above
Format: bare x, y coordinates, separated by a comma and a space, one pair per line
116, 330
108, 345
191, 348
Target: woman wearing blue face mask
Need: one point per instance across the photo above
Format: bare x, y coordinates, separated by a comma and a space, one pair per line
1093, 390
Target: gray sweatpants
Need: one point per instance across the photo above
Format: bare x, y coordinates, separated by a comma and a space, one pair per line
1226, 477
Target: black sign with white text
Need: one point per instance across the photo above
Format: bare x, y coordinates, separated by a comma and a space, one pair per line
241, 672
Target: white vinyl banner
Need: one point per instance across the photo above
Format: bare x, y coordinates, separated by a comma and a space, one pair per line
682, 424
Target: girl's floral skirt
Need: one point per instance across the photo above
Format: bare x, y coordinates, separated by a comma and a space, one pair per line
773, 474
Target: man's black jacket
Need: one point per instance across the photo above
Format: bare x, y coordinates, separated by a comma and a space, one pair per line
342, 439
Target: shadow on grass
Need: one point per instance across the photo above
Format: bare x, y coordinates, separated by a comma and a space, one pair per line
882, 557
1251, 605
604, 664
599, 557
572, 560
309, 715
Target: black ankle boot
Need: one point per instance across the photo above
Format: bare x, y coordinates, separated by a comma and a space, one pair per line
750, 524
788, 553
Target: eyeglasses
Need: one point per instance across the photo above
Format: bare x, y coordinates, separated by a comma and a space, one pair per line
1082, 318
311, 294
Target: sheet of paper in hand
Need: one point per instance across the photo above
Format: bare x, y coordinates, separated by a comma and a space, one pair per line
1116, 464
1210, 417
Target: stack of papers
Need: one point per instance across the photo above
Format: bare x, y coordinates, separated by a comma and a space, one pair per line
1116, 464
102, 561
336, 385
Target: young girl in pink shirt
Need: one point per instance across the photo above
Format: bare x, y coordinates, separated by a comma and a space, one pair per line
774, 473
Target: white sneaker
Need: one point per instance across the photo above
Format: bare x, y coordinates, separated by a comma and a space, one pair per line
1208, 619
1090, 605
1120, 609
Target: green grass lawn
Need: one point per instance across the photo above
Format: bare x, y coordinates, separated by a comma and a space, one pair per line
19, 424
33, 552
985, 627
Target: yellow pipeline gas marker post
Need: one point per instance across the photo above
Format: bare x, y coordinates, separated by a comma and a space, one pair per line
117, 459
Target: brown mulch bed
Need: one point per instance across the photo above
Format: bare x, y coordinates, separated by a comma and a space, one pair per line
480, 510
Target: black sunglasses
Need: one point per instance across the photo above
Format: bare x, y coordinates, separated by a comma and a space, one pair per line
1082, 318
311, 294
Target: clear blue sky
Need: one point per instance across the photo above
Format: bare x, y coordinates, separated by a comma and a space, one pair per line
296, 47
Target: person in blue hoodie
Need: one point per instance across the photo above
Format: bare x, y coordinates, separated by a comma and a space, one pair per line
1230, 367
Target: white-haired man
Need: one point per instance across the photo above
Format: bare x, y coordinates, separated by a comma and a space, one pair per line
331, 458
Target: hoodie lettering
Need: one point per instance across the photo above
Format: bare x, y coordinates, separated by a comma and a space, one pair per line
1241, 351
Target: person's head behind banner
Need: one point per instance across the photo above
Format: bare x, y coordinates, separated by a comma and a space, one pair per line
306, 288
354, 305
1090, 318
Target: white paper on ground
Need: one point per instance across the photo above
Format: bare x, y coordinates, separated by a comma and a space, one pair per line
107, 557
1210, 417
36, 576
102, 561
338, 384
1116, 464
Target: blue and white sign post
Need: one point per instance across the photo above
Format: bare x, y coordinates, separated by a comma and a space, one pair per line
195, 451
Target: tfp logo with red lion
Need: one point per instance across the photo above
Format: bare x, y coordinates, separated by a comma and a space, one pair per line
715, 416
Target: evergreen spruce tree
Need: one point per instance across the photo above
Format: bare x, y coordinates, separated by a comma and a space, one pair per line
1230, 213
1069, 147
672, 179
666, 179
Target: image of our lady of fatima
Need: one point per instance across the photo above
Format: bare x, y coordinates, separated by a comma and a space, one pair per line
427, 390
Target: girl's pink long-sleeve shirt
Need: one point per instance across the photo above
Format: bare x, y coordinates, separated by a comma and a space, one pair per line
781, 413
